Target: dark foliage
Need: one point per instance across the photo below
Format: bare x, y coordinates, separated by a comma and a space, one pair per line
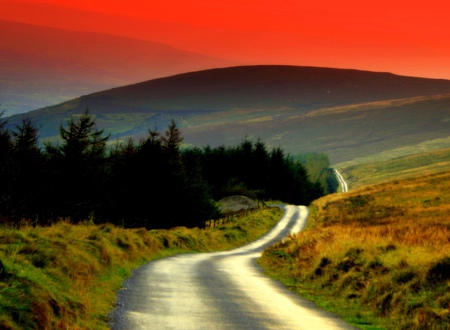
319, 171
5, 163
152, 184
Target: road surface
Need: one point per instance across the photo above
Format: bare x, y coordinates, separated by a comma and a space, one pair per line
342, 182
223, 290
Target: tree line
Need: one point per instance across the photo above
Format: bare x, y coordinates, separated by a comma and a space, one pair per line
153, 183
318, 167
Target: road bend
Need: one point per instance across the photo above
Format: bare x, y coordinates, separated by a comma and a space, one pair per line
343, 183
223, 290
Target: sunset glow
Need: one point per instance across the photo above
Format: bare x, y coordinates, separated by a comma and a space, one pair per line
395, 36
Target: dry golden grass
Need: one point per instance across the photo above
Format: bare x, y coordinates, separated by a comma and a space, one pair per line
382, 251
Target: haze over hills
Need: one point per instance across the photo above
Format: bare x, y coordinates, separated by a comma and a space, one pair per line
344, 113
40, 66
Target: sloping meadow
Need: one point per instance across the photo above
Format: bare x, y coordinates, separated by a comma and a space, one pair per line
379, 256
66, 275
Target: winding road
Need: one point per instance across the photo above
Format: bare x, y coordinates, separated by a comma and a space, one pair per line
222, 290
343, 183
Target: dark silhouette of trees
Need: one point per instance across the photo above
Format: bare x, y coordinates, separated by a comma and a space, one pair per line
27, 172
319, 171
250, 169
154, 183
5, 164
76, 168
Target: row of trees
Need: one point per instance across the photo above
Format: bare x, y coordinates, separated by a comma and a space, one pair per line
318, 167
154, 183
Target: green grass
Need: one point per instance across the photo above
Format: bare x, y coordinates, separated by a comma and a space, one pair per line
396, 169
378, 255
408, 150
51, 277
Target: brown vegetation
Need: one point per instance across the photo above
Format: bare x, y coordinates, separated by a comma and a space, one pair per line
380, 253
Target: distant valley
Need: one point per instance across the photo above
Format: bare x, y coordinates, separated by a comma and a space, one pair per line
347, 114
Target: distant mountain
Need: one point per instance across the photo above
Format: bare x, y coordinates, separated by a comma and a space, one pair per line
345, 113
42, 66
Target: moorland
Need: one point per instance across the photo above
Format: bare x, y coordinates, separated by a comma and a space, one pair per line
377, 255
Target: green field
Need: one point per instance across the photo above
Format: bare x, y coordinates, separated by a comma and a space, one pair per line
396, 169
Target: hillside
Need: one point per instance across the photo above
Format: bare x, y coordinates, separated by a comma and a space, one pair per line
344, 113
41, 66
400, 168
377, 256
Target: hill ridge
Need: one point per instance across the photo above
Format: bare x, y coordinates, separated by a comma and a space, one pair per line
277, 103
46, 65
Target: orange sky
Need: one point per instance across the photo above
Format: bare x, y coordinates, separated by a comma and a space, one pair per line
397, 36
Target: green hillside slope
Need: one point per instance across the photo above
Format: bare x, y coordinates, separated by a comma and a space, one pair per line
400, 168
344, 113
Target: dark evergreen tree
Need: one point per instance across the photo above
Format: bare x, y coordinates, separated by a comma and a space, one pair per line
155, 184
152, 171
318, 167
217, 165
331, 181
27, 189
171, 141
175, 187
198, 203
77, 168
120, 186
5, 166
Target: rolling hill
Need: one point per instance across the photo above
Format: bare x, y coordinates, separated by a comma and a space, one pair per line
40, 66
399, 168
347, 114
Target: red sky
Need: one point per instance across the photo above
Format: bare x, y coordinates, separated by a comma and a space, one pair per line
403, 37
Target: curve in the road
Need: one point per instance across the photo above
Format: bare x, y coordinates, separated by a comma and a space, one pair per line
223, 290
343, 183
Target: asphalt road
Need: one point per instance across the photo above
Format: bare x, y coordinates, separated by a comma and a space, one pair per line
224, 290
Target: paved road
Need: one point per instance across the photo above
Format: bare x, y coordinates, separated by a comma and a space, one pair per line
224, 290
344, 185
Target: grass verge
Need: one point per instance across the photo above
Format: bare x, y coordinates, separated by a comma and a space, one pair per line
66, 276
379, 256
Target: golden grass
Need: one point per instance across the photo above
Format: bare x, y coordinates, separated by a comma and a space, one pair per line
382, 252
66, 276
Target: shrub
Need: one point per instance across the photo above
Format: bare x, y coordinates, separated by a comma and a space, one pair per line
439, 272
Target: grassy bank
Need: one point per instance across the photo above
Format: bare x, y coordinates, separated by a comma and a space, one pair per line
396, 169
66, 276
378, 256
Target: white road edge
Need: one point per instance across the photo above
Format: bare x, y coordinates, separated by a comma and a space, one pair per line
223, 290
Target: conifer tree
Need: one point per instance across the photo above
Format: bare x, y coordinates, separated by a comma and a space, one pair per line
77, 167
5, 165
27, 190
